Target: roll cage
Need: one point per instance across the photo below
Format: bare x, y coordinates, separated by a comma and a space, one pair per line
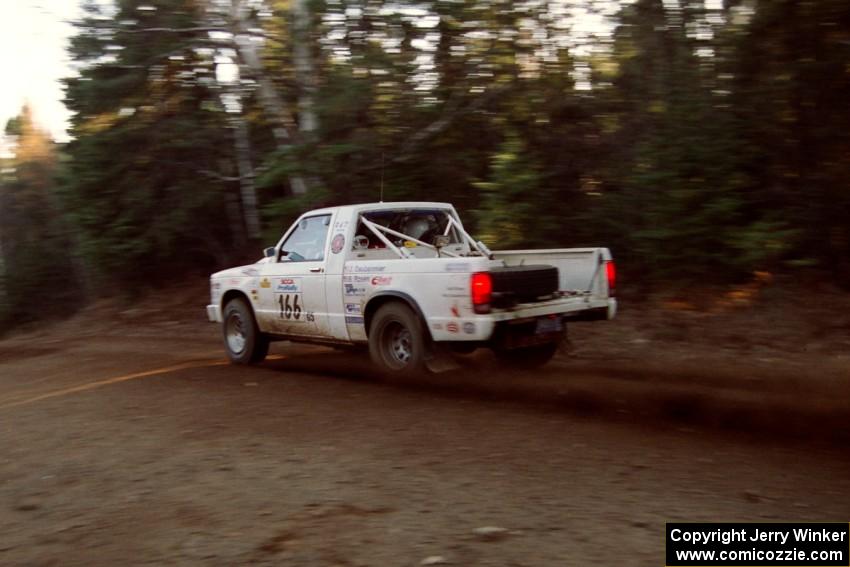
451, 224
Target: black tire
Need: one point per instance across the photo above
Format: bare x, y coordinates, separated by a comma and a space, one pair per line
528, 357
243, 341
397, 341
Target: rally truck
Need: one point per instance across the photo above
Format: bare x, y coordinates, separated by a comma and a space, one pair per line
407, 281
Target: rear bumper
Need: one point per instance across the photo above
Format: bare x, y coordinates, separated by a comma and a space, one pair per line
213, 313
481, 328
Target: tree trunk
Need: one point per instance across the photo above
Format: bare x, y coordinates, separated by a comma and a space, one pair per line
242, 147
305, 74
272, 103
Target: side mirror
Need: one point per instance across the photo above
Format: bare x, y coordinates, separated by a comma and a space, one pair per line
269, 252
442, 240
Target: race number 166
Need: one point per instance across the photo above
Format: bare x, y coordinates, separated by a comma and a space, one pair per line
290, 305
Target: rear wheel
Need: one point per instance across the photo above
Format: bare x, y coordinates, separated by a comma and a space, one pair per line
397, 342
528, 357
243, 341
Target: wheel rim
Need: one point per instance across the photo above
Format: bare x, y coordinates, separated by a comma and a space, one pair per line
397, 344
234, 333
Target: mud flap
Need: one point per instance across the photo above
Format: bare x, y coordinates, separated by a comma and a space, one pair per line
440, 359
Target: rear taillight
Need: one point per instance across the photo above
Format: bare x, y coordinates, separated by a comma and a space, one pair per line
611, 274
481, 287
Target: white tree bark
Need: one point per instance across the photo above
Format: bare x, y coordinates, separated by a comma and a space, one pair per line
242, 147
305, 73
272, 103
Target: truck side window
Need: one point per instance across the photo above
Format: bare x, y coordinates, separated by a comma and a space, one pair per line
307, 242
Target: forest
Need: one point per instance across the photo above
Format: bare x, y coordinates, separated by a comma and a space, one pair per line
702, 141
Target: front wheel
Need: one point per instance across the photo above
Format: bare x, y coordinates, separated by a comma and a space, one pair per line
243, 341
397, 343
528, 357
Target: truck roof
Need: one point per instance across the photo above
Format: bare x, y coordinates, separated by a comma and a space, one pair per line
386, 206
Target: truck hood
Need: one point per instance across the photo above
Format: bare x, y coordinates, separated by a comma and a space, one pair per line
249, 270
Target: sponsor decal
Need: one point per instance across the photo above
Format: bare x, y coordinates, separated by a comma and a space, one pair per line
251, 271
382, 280
437, 326
469, 328
457, 267
366, 269
410, 244
455, 310
265, 283
361, 279
340, 225
288, 285
235, 281
352, 308
456, 291
338, 243
216, 285
351, 289
349, 320
452, 327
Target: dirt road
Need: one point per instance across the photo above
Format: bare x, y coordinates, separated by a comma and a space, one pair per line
143, 448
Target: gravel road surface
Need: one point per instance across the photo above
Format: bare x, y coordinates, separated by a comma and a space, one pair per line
144, 448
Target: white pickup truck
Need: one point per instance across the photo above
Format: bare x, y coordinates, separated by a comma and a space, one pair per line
407, 280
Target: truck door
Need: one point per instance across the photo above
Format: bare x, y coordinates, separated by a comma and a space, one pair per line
292, 286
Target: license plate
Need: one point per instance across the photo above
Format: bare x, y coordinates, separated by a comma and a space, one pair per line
547, 325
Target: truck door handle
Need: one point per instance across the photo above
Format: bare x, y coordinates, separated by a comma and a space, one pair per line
317, 269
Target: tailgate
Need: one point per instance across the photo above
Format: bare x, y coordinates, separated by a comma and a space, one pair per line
580, 270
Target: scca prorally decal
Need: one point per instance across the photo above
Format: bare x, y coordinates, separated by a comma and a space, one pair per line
287, 285
353, 320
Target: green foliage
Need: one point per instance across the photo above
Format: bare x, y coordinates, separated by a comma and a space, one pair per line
511, 200
35, 256
699, 142
142, 183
